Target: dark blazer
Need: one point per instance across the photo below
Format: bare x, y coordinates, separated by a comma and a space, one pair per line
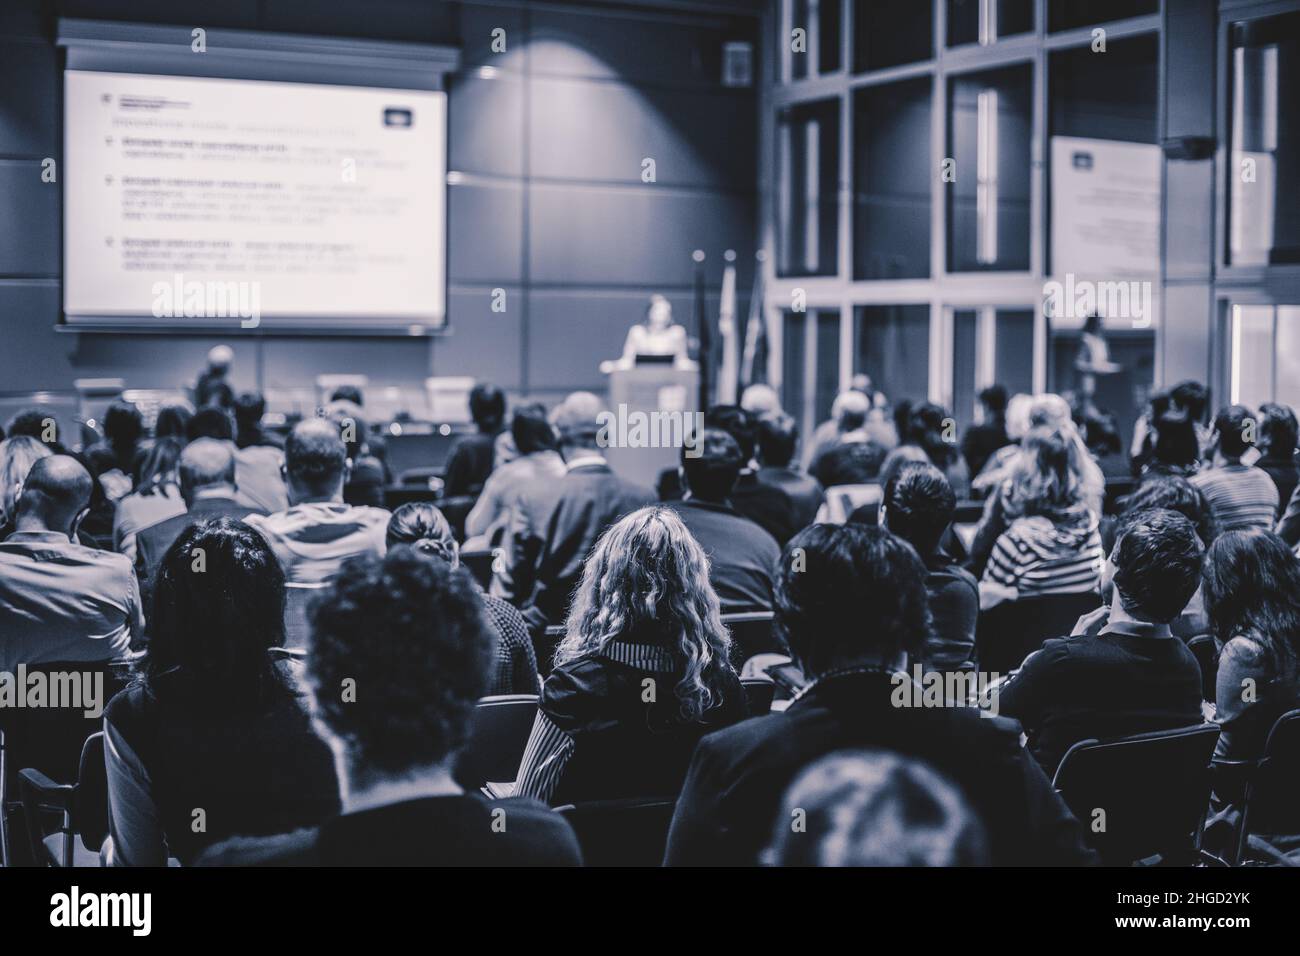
435, 831
803, 494
729, 803
152, 543
743, 558
591, 498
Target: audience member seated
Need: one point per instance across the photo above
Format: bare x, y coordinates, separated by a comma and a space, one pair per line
1277, 443
1123, 671
1051, 544
778, 437
930, 428
1176, 450
852, 473
872, 808
395, 741
210, 741
472, 456
1242, 495
367, 475
989, 433
59, 600
250, 409
858, 413
556, 524
156, 498
38, 423
17, 455
258, 468
423, 527
538, 462
761, 400
742, 556
1251, 582
207, 478
318, 531
853, 608
998, 466
642, 673
112, 460
918, 507
760, 502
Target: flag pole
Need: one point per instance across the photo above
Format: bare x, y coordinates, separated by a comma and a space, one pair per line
705, 333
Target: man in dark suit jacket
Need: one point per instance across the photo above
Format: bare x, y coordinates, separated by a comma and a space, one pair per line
778, 436
851, 600
742, 556
207, 478
563, 520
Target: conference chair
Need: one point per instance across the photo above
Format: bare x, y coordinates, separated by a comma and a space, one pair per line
632, 832
498, 734
296, 599
1206, 651
1143, 796
1272, 803
81, 808
479, 564
759, 693
1009, 632
752, 633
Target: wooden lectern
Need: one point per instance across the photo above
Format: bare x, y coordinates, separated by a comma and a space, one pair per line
636, 394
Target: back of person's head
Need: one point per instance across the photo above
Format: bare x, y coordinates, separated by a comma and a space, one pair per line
531, 429
853, 463
424, 528
55, 494
919, 505
1044, 480
1101, 433
210, 422
315, 458
1175, 493
38, 423
349, 419
739, 424
778, 436
1234, 428
17, 455
760, 399
417, 687
249, 409
1251, 585
849, 410
217, 607
712, 465
1192, 397
849, 593
1157, 564
898, 459
994, 400
932, 429
173, 421
875, 808
1050, 410
1176, 443
577, 420
487, 406
348, 393
205, 462
647, 582
158, 468
1019, 407
1278, 430
220, 358
123, 424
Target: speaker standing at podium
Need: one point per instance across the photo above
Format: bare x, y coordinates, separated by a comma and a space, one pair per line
656, 340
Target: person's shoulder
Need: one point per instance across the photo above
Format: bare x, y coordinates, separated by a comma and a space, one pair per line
297, 848
548, 836
572, 689
1244, 651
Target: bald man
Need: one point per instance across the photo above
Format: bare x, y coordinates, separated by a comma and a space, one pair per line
59, 600
208, 486
318, 531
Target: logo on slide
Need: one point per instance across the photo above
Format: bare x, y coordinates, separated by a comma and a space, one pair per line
398, 116
208, 300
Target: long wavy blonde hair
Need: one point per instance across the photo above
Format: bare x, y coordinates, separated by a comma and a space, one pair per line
647, 581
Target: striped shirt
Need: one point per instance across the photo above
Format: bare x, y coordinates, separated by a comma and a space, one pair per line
1242, 496
1036, 557
312, 540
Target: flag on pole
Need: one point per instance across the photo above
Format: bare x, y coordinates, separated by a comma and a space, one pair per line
729, 373
704, 332
754, 362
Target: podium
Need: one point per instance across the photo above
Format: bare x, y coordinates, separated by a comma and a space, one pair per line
635, 396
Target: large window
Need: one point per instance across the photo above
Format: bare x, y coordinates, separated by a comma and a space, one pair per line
989, 142
892, 173
984, 21
891, 32
892, 345
1264, 355
808, 170
823, 35
1264, 172
1067, 14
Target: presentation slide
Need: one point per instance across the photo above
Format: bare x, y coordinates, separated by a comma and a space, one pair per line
193, 201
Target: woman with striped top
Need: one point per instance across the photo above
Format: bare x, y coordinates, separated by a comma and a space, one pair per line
641, 675
1051, 544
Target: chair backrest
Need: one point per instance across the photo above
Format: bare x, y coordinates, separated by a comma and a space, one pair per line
498, 734
621, 832
842, 500
1141, 795
1272, 803
90, 803
296, 599
759, 693
753, 632
479, 564
1007, 633
1206, 651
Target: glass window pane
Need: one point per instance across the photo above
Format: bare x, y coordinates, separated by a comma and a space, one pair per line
892, 345
1013, 350
1105, 96
1287, 353
1251, 378
808, 176
891, 181
989, 137
1264, 175
964, 347
828, 363
792, 356
983, 21
891, 32
820, 53
1067, 14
